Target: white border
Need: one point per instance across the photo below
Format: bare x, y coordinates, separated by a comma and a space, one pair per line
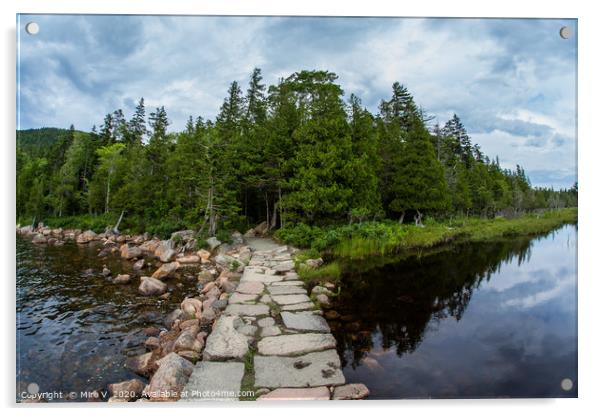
590, 153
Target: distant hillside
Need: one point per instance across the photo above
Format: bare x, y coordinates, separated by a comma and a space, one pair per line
37, 142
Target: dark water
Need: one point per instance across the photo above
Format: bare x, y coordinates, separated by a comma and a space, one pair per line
74, 328
472, 321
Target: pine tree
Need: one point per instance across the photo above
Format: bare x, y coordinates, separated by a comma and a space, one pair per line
159, 123
137, 125
106, 131
255, 99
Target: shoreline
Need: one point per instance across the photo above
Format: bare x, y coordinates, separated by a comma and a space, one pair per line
363, 242
178, 344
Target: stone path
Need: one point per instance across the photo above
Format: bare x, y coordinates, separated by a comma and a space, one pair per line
271, 336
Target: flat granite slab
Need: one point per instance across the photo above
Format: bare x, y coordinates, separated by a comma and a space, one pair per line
216, 381
299, 306
290, 299
295, 344
304, 321
225, 342
247, 310
242, 298
250, 275
310, 370
250, 288
288, 283
286, 290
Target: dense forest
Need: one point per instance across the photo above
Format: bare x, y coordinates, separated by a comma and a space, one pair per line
291, 153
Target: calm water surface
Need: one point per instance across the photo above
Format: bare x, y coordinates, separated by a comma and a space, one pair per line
74, 328
471, 321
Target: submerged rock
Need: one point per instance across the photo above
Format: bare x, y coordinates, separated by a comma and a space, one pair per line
86, 237
149, 286
122, 279
39, 239
129, 253
166, 270
138, 265
172, 317
143, 365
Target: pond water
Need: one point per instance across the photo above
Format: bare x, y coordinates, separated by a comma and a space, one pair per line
74, 328
469, 321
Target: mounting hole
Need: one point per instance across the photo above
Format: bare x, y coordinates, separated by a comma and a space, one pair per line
32, 28
565, 32
566, 384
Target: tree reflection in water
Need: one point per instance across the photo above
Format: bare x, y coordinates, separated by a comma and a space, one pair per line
400, 301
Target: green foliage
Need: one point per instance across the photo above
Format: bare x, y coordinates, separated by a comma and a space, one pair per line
248, 380
96, 223
357, 241
296, 155
328, 272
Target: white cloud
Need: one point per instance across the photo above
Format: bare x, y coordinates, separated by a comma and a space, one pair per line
507, 80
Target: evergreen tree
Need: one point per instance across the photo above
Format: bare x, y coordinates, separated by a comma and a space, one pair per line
365, 162
137, 125
106, 131
293, 152
419, 185
320, 189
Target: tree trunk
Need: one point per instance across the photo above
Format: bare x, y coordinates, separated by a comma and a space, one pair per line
280, 206
403, 214
418, 219
274, 217
116, 228
267, 210
108, 193
212, 213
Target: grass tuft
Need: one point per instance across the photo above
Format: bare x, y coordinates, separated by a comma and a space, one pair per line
328, 272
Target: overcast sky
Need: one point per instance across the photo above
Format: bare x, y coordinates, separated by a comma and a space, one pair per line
512, 82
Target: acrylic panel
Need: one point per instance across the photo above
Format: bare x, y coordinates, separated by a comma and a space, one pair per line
267, 208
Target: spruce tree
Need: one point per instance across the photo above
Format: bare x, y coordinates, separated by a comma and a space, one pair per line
137, 125
419, 184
